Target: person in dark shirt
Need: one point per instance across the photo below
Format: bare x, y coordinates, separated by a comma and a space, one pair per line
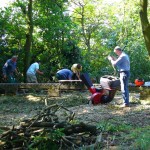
9, 69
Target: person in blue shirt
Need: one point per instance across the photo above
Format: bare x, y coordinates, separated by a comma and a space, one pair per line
9, 69
123, 65
64, 74
32, 71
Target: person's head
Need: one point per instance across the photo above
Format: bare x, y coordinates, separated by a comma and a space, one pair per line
117, 50
79, 66
38, 61
14, 58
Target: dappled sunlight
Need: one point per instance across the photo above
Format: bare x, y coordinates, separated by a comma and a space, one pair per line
33, 98
84, 110
26, 106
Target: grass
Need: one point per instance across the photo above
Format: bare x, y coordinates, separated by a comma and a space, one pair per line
111, 126
122, 129
140, 138
124, 136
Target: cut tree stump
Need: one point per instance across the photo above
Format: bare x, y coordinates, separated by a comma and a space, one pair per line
143, 90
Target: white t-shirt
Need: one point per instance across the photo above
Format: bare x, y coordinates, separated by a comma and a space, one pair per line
32, 69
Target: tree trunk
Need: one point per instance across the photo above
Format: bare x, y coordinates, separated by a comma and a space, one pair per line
145, 23
27, 46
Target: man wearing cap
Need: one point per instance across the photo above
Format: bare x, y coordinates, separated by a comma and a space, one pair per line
123, 64
31, 72
9, 69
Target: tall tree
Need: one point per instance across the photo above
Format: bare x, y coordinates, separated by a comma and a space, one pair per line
27, 12
145, 23
28, 42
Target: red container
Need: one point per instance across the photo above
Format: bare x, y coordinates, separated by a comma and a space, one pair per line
139, 82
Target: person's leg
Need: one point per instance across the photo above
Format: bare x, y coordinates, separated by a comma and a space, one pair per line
34, 79
124, 79
11, 78
28, 78
31, 78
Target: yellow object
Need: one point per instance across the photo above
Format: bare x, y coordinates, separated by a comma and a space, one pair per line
75, 69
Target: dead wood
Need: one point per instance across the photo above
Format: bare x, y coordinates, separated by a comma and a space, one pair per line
48, 123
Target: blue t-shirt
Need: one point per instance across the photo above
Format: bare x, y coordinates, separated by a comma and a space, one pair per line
33, 68
9, 67
122, 63
66, 73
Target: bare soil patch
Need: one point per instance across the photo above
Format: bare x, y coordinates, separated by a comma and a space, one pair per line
109, 118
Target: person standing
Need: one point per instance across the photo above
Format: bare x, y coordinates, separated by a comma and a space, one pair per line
123, 65
76, 68
32, 71
64, 74
9, 69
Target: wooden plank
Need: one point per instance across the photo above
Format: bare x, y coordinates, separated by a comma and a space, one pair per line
53, 88
68, 81
12, 88
28, 85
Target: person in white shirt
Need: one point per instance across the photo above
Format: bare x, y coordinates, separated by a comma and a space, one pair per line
31, 72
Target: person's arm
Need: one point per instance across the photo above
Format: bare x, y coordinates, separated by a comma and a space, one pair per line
115, 61
16, 71
4, 69
39, 72
78, 74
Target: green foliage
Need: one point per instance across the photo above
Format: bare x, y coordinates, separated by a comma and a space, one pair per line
139, 63
86, 35
140, 138
1, 131
110, 126
47, 140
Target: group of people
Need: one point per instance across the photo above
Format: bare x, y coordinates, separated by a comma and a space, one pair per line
10, 68
67, 74
122, 62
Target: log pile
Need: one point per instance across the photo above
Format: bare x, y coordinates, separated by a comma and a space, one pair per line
50, 130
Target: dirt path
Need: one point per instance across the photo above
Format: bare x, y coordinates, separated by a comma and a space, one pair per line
108, 117
13, 109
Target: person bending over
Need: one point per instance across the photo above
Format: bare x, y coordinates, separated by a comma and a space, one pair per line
76, 68
64, 74
32, 71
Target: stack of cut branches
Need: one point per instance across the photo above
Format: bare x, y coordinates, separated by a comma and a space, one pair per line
50, 130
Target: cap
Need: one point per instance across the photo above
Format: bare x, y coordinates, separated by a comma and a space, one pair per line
117, 48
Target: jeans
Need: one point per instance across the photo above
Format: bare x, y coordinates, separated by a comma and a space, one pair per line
124, 80
60, 77
11, 78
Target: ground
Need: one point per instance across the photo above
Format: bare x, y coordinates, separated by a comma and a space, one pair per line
121, 128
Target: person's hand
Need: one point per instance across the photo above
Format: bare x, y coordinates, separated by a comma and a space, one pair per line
5, 76
109, 57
